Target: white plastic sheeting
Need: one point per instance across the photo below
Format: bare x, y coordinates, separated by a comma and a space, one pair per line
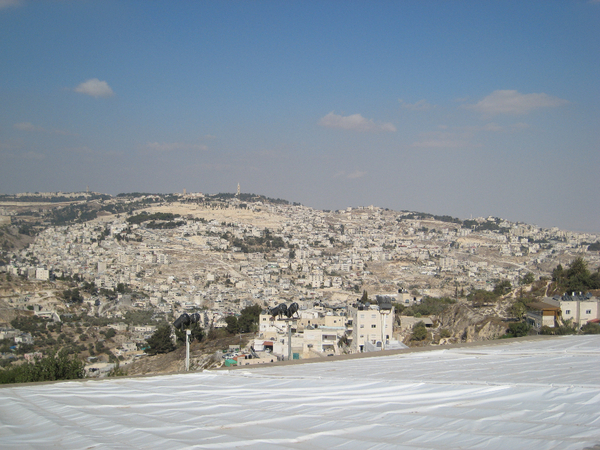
540, 394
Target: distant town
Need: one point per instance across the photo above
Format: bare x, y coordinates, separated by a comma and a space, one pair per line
99, 275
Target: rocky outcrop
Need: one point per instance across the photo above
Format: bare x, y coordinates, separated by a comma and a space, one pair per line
467, 324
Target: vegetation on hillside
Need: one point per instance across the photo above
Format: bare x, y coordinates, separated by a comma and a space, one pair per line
247, 321
429, 306
58, 366
577, 278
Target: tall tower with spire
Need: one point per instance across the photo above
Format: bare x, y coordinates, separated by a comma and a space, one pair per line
238, 191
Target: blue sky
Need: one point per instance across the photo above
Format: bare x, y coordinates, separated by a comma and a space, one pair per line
465, 108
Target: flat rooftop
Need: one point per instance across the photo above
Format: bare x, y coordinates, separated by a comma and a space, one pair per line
542, 394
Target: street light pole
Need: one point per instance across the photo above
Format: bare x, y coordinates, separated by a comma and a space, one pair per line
289, 341
187, 350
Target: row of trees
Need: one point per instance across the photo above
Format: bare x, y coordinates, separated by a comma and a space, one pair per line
577, 278
162, 342
59, 366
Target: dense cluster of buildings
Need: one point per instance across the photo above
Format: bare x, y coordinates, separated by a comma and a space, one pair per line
206, 263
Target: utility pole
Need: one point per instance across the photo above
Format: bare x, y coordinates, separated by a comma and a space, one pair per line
289, 341
187, 350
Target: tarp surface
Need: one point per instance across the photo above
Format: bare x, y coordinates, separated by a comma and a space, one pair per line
542, 394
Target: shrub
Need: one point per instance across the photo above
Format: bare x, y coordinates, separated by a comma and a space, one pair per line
517, 330
419, 332
445, 333
591, 328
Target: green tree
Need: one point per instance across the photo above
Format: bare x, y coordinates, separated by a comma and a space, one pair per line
232, 325
365, 297
429, 306
110, 333
196, 333
577, 278
419, 332
480, 297
518, 309
558, 274
249, 317
502, 287
528, 278
160, 341
59, 366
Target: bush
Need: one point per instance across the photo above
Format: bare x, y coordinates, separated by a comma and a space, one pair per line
429, 306
502, 287
480, 297
591, 328
110, 333
558, 331
517, 330
445, 333
419, 332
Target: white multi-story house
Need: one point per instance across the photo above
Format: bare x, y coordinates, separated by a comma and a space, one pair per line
42, 274
372, 326
578, 308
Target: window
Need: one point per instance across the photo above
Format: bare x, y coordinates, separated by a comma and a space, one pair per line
568, 311
373, 316
362, 325
373, 326
588, 311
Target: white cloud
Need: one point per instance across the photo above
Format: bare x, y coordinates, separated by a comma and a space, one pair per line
356, 174
444, 139
28, 126
465, 136
354, 122
492, 127
521, 125
84, 150
10, 3
33, 155
353, 175
512, 102
173, 146
95, 88
421, 105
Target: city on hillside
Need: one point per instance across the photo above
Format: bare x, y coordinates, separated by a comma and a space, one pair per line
102, 279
